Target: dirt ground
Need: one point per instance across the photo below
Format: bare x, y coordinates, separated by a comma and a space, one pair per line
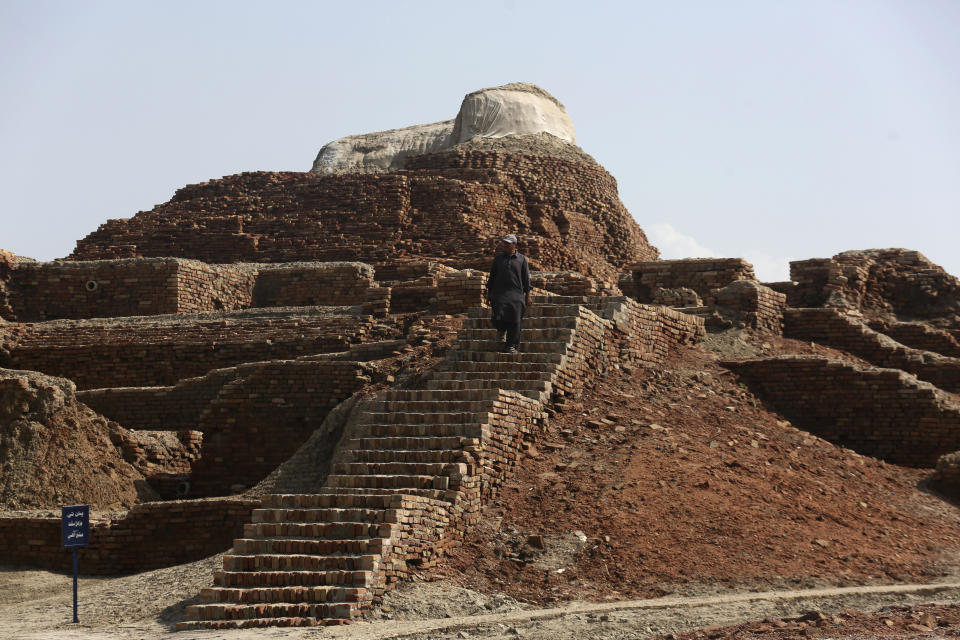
36, 605
679, 481
662, 503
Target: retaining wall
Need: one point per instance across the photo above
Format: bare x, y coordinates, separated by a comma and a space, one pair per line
159, 351
703, 275
878, 412
835, 329
149, 536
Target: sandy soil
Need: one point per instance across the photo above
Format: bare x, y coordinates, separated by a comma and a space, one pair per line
36, 605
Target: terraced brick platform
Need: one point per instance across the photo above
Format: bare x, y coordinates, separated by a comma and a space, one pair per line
419, 466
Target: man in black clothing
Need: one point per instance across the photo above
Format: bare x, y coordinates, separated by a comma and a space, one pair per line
508, 290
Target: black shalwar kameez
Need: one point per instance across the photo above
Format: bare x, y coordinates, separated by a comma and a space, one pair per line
507, 288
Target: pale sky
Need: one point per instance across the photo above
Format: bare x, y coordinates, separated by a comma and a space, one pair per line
774, 131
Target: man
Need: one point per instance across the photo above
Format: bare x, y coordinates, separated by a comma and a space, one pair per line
508, 290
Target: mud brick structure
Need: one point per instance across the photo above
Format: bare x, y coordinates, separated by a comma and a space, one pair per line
159, 350
884, 413
415, 467
568, 283
52, 290
900, 283
747, 303
460, 290
450, 207
251, 417
149, 536
165, 458
679, 297
703, 275
308, 284
920, 336
833, 328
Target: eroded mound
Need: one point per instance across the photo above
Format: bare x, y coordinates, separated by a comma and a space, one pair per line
56, 451
449, 207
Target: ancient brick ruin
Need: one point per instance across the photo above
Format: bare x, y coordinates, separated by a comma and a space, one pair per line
299, 368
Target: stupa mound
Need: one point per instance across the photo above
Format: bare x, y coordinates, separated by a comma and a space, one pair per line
516, 109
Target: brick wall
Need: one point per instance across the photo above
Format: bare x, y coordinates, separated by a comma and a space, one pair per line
306, 284
149, 536
920, 336
261, 418
747, 303
161, 350
835, 329
252, 417
878, 412
703, 275
96, 289
879, 281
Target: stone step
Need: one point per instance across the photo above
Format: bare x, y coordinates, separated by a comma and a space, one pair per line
533, 311
400, 468
318, 530
476, 384
433, 417
323, 514
421, 395
326, 500
300, 562
446, 456
374, 481
326, 593
420, 407
437, 495
534, 390
414, 443
257, 623
272, 613
310, 546
484, 355
562, 334
496, 368
437, 428
543, 322
292, 578
293, 594
526, 347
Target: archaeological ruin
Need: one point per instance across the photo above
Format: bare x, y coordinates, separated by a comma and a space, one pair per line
298, 368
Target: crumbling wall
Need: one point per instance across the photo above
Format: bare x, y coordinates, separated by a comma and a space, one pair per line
159, 350
898, 283
832, 327
703, 275
920, 336
884, 413
746, 303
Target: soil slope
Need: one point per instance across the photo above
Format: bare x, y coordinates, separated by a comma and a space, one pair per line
56, 451
679, 480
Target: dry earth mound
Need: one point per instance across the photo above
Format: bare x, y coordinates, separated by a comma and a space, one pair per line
56, 451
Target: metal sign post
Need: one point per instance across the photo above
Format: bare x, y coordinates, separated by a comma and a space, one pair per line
75, 533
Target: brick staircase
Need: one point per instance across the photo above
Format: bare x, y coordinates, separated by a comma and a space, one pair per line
410, 481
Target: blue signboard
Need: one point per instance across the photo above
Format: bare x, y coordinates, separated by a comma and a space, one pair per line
75, 525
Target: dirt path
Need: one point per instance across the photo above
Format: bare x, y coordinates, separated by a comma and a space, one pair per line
36, 605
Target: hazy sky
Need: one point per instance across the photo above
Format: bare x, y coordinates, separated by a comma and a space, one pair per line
769, 130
